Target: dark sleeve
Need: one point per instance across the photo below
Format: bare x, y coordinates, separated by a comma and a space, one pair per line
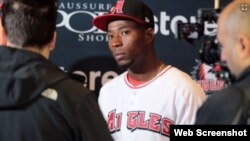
92, 124
203, 115
220, 108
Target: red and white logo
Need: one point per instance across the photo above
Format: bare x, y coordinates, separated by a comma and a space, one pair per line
118, 7
205, 75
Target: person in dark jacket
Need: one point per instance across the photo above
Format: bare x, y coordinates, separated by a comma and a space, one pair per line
231, 105
38, 101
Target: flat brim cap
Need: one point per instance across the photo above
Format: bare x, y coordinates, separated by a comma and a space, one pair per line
134, 10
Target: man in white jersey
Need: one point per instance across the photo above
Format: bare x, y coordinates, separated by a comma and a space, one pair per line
142, 103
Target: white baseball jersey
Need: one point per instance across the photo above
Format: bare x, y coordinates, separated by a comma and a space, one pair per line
144, 112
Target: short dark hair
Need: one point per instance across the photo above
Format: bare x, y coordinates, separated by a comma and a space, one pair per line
29, 22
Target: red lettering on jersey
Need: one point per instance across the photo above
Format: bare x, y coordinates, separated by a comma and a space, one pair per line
143, 124
118, 121
111, 121
136, 120
154, 122
114, 121
165, 130
132, 122
118, 7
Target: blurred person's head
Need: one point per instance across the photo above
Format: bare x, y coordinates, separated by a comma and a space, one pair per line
234, 36
29, 24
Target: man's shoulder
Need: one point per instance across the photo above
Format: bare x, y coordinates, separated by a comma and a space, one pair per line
220, 107
116, 80
223, 97
72, 86
180, 79
177, 74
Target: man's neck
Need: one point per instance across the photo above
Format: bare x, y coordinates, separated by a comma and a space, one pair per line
42, 51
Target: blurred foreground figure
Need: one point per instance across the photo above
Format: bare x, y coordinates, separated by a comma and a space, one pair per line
38, 102
232, 105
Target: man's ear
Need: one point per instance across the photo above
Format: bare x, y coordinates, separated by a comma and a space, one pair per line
3, 39
52, 44
150, 34
244, 47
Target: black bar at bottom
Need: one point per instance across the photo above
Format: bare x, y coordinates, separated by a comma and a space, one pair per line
181, 132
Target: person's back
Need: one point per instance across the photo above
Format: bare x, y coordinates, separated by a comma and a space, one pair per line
231, 105
43, 104
38, 101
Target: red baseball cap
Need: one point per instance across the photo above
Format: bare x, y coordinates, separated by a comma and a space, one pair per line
134, 10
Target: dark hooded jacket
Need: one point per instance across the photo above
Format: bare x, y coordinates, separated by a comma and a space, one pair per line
38, 102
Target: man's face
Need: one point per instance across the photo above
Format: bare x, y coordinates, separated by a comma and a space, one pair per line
126, 42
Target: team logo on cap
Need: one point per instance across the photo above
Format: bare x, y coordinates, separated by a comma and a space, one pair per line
118, 7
